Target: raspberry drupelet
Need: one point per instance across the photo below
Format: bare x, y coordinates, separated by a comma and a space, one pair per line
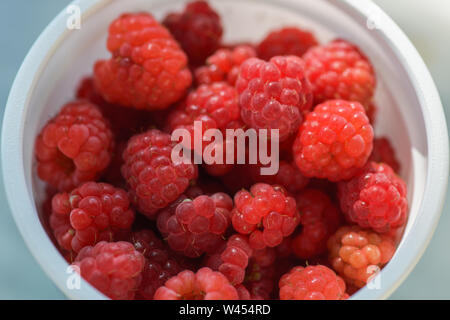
205, 284
274, 94
266, 213
193, 227
113, 268
286, 41
153, 178
384, 152
198, 29
312, 283
339, 70
319, 220
147, 70
357, 255
375, 198
334, 142
224, 65
90, 213
74, 147
160, 265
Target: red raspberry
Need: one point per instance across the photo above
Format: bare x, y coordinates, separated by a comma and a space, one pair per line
358, 255
384, 152
260, 276
339, 70
312, 283
371, 111
196, 226
285, 42
224, 65
159, 267
90, 213
147, 69
274, 94
113, 268
198, 29
203, 285
334, 142
375, 198
288, 176
319, 219
154, 179
74, 147
266, 213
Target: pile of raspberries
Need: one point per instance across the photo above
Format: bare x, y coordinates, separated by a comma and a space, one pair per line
138, 225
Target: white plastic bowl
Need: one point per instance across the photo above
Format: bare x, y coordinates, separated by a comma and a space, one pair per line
410, 109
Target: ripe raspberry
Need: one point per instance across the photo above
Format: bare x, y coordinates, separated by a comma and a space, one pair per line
203, 285
154, 179
266, 213
285, 42
198, 29
74, 147
334, 142
224, 65
159, 267
260, 278
274, 94
147, 69
339, 70
312, 283
196, 226
371, 111
288, 176
375, 198
384, 152
357, 255
113, 268
319, 219
90, 213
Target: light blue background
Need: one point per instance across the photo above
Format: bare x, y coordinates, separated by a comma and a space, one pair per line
21, 21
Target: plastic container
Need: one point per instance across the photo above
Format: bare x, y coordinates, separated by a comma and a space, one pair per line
410, 109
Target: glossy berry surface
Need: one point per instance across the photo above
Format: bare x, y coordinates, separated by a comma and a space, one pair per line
147, 70
266, 213
153, 178
375, 198
274, 94
334, 142
383, 151
90, 213
74, 147
312, 283
205, 284
339, 70
112, 268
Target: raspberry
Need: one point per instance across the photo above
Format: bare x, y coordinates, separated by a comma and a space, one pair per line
384, 152
203, 285
159, 267
285, 42
312, 283
198, 29
261, 273
224, 65
154, 179
357, 255
371, 111
266, 213
375, 198
147, 69
90, 213
196, 226
288, 176
74, 147
113, 268
339, 70
334, 142
274, 94
319, 220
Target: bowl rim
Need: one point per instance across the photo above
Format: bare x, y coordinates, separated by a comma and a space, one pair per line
54, 34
